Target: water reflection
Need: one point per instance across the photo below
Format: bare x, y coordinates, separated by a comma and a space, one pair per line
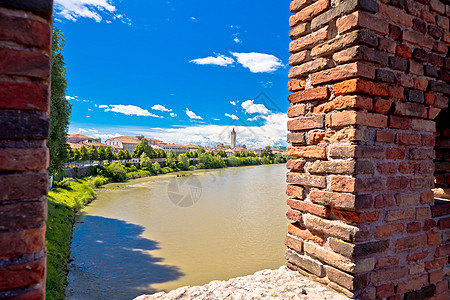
100, 248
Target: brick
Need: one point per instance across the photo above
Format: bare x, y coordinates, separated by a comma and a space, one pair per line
358, 118
300, 30
362, 19
396, 92
23, 186
23, 125
316, 152
299, 58
360, 86
439, 86
309, 12
422, 213
434, 238
427, 16
294, 243
435, 276
295, 191
339, 200
295, 85
433, 113
421, 154
309, 41
309, 67
24, 63
444, 223
418, 39
417, 256
385, 262
413, 227
443, 22
387, 168
441, 101
361, 53
294, 215
361, 36
306, 207
305, 179
296, 138
385, 75
15, 276
306, 263
319, 93
436, 264
295, 165
383, 200
305, 234
420, 84
410, 109
302, 123
407, 199
356, 69
398, 63
442, 250
333, 228
439, 210
332, 167
403, 51
344, 102
297, 5
399, 214
395, 15
297, 110
24, 96
19, 215
407, 167
406, 81
349, 282
437, 6
397, 183
343, 184
424, 293
26, 241
441, 286
417, 268
357, 250
25, 31
423, 125
387, 45
329, 257
427, 197
343, 8
396, 122
385, 290
370, 184
440, 47
389, 274
415, 283
31, 159
415, 68
430, 71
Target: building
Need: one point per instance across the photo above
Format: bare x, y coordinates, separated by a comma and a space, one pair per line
125, 142
77, 138
233, 139
176, 148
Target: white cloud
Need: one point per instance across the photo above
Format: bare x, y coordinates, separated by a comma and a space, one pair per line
92, 9
234, 117
233, 103
192, 115
219, 60
237, 40
89, 109
258, 62
253, 119
216, 119
194, 19
160, 108
69, 98
251, 108
130, 110
173, 115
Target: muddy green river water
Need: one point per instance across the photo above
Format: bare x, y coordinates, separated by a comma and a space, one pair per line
164, 232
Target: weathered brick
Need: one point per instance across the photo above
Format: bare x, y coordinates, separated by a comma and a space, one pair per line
418, 39
294, 243
388, 274
385, 262
305, 179
316, 152
319, 93
309, 41
343, 184
300, 30
414, 283
362, 19
26, 241
329, 257
298, 230
395, 15
31, 159
344, 102
407, 199
398, 63
411, 242
25, 31
356, 69
340, 200
302, 123
331, 227
349, 282
357, 250
24, 63
424, 293
360, 86
299, 58
19, 215
297, 138
388, 230
410, 109
24, 96
361, 36
309, 12
361, 53
296, 110
295, 191
385, 136
399, 214
306, 263
23, 186
423, 125
306, 207
294, 215
358, 118
309, 67
385, 290
383, 200
23, 275
297, 5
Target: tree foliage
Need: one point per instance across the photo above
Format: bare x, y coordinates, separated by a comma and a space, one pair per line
60, 107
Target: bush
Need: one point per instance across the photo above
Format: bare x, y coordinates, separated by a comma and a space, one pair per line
156, 167
201, 166
64, 183
166, 170
97, 181
116, 171
191, 168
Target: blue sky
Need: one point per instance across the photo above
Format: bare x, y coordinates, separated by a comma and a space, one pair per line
181, 71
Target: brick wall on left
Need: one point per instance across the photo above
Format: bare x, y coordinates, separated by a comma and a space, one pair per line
25, 52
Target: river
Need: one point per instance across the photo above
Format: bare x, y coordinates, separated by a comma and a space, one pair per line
164, 232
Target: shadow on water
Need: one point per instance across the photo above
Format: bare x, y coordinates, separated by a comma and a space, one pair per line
109, 261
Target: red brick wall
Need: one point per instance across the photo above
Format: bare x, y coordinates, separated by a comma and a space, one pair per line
368, 78
442, 161
25, 44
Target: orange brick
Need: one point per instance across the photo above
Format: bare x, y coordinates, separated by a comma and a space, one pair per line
411, 242
303, 233
358, 118
309, 12
360, 86
403, 51
339, 73
310, 94
343, 184
295, 191
294, 215
393, 14
306, 179
382, 106
297, 110
302, 123
385, 136
308, 152
344, 102
362, 19
418, 39
314, 209
400, 214
295, 85
434, 238
308, 41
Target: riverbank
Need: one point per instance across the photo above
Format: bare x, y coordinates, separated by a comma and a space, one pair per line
281, 283
64, 202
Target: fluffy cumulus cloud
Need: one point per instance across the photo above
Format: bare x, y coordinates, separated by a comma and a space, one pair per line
92, 9
258, 62
233, 103
218, 60
130, 110
234, 117
192, 115
173, 115
251, 108
160, 107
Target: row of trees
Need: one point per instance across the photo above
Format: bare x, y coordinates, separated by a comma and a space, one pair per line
96, 153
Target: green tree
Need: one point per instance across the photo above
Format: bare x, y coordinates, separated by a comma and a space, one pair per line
200, 150
60, 107
127, 154
156, 167
84, 153
121, 155
101, 153
93, 153
183, 161
145, 161
162, 153
144, 147
267, 152
76, 154
109, 154
170, 159
116, 171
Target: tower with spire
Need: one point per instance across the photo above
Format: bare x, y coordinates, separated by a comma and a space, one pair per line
233, 139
